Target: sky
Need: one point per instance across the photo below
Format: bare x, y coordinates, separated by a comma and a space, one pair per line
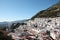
12, 10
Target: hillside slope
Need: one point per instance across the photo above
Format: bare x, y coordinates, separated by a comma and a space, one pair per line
53, 11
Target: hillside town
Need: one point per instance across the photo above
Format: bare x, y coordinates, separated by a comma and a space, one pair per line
38, 29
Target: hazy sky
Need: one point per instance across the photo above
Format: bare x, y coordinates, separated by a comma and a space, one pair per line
22, 9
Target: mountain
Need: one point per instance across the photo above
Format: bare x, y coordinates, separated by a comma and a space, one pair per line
53, 11
3, 25
13, 24
20, 21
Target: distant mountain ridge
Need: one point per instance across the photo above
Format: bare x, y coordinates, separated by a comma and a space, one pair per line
4, 25
53, 11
